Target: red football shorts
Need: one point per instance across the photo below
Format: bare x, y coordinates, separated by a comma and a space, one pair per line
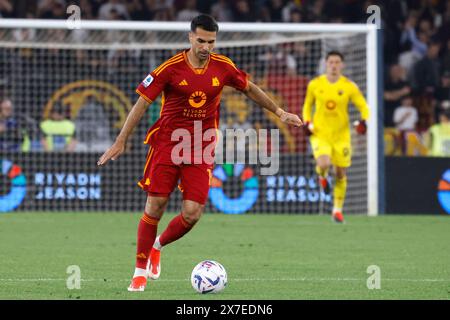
161, 176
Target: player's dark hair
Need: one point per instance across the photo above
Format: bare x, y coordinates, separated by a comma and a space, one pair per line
335, 53
206, 22
446, 113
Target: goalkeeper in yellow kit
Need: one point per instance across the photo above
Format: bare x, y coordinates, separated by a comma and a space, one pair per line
329, 127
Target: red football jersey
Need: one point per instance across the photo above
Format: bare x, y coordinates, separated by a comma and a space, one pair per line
188, 94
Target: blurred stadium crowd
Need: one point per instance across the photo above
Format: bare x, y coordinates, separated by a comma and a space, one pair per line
416, 45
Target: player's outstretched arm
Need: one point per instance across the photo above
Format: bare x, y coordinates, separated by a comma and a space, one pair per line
262, 99
132, 120
307, 108
361, 104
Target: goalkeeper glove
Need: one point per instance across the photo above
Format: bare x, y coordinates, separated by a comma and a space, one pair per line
308, 128
360, 126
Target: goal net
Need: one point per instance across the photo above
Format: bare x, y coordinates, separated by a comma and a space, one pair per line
71, 90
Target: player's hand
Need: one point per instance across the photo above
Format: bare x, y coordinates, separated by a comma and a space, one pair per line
289, 118
308, 128
360, 126
112, 153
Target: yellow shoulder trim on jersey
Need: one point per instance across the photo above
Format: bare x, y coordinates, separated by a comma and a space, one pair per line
224, 61
220, 56
167, 65
175, 57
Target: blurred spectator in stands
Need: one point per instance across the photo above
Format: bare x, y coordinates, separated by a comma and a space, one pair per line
149, 9
17, 132
163, 10
242, 12
350, 10
405, 115
58, 131
189, 11
204, 6
425, 82
394, 90
42, 6
82, 35
393, 19
278, 59
11, 134
446, 56
24, 35
93, 127
426, 71
444, 25
289, 8
272, 11
136, 10
24, 8
417, 43
87, 9
315, 11
166, 14
114, 14
121, 62
221, 11
96, 4
115, 36
438, 136
295, 16
105, 11
93, 60
443, 91
429, 10
52, 9
302, 53
444, 105
7, 57
6, 9
427, 27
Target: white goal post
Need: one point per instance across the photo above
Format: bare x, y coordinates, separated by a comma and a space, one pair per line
250, 36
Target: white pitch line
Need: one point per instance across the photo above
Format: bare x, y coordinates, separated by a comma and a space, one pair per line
237, 280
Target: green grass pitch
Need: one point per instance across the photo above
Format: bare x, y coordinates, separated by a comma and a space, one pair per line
266, 256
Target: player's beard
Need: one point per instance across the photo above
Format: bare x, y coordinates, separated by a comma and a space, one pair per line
203, 56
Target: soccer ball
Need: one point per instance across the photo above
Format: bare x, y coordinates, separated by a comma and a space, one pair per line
209, 277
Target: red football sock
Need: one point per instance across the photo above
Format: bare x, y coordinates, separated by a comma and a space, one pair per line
177, 228
146, 235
